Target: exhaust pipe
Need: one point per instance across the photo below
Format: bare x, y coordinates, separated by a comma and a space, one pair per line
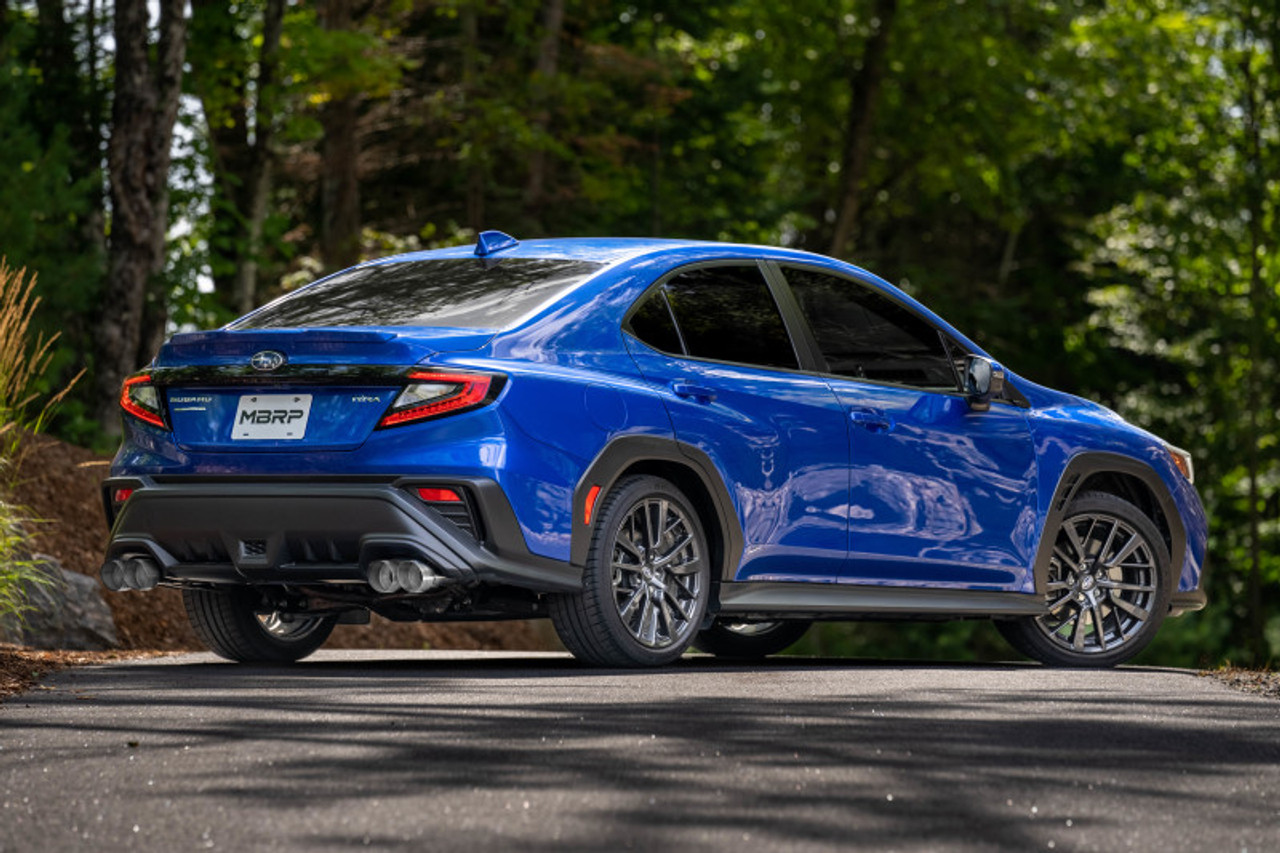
417, 577
412, 576
382, 576
140, 573
112, 573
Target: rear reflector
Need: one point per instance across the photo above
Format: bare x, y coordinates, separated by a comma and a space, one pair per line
591, 503
121, 495
432, 495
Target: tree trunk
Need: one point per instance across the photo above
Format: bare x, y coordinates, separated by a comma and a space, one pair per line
340, 152
865, 92
258, 183
219, 78
143, 114
470, 69
241, 128
544, 71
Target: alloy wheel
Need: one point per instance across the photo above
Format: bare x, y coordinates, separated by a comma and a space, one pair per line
1103, 584
656, 577
288, 626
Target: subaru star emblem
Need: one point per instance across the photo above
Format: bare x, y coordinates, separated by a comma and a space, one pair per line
266, 360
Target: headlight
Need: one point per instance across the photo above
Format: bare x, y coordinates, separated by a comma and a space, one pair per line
1182, 461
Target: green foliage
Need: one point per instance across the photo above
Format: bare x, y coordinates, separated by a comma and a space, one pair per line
1184, 273
18, 572
50, 203
22, 363
43, 200
949, 641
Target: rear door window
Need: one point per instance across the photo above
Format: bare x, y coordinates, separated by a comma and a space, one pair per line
723, 313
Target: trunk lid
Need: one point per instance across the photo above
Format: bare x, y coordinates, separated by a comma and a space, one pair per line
225, 347
287, 389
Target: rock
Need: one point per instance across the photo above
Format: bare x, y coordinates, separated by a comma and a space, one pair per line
66, 612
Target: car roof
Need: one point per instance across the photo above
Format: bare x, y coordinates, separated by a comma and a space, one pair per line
608, 250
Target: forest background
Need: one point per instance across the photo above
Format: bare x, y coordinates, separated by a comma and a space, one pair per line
1089, 189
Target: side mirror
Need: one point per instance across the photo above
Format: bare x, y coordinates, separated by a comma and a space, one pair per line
983, 381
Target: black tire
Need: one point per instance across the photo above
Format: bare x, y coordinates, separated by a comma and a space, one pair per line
1098, 616
227, 621
644, 591
749, 640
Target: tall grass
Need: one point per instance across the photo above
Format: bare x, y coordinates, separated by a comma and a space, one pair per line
22, 365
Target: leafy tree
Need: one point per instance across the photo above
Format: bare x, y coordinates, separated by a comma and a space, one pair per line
134, 312
1185, 281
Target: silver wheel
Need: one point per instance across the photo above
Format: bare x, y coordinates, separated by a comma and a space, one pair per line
235, 624
751, 629
1103, 585
656, 573
288, 626
726, 638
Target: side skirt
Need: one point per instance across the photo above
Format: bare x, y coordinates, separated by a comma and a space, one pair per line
849, 601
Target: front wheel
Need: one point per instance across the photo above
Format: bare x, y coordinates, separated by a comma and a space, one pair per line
234, 625
749, 640
646, 583
1108, 587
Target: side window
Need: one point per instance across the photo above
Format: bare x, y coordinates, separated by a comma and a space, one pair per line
865, 335
728, 314
652, 324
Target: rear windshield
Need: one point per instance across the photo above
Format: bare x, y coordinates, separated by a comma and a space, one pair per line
458, 292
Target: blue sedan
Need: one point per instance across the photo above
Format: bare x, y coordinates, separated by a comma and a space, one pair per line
657, 444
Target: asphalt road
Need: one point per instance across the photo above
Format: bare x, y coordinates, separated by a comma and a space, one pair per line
458, 751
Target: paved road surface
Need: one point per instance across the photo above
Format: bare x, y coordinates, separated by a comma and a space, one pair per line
457, 751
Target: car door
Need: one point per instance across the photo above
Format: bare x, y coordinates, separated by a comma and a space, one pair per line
712, 339
941, 495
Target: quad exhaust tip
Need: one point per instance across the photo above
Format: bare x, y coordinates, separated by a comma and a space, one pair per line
412, 576
140, 573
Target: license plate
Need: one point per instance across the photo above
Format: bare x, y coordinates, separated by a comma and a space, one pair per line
272, 416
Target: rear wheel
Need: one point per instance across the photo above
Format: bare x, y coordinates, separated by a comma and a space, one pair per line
1108, 587
749, 640
646, 582
234, 625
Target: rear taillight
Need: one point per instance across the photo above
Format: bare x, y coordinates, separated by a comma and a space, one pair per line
432, 394
141, 399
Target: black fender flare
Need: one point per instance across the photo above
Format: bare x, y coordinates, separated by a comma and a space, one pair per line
1081, 468
623, 452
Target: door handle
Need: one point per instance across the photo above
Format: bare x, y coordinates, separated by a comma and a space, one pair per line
698, 393
872, 420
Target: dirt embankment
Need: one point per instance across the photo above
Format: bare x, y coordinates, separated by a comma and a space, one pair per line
59, 485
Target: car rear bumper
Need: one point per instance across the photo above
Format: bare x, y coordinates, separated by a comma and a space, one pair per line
323, 530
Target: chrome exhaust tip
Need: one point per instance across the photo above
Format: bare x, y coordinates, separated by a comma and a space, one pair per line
112, 574
141, 573
381, 575
416, 577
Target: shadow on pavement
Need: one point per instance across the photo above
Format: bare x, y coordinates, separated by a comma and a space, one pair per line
796, 749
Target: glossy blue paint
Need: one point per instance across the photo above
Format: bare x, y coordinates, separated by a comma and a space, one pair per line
944, 496
779, 438
340, 347
492, 242
340, 417
831, 479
